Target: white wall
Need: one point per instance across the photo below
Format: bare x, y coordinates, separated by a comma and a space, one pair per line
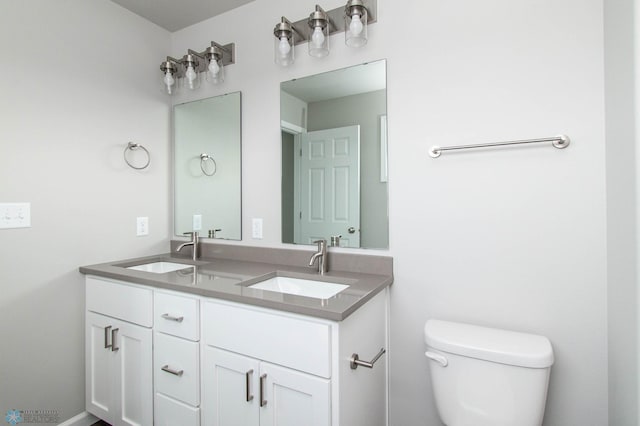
75, 88
512, 238
621, 212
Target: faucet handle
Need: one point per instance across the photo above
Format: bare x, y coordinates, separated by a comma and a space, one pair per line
322, 244
192, 234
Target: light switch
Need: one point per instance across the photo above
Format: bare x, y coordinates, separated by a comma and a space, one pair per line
142, 226
15, 215
197, 222
257, 228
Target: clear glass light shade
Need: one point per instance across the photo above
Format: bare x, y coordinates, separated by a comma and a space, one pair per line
169, 83
191, 79
215, 72
355, 34
284, 51
319, 41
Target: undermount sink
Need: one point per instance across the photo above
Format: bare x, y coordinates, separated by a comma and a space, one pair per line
160, 267
300, 287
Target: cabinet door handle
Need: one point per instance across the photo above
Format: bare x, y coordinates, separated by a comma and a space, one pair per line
172, 318
263, 401
106, 337
172, 371
247, 377
114, 334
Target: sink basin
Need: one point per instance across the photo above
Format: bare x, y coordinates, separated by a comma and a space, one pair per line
160, 267
300, 287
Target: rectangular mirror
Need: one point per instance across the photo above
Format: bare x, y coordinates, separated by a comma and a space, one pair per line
207, 167
334, 157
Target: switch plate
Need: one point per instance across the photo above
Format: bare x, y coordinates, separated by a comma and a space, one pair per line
142, 226
256, 227
15, 215
197, 222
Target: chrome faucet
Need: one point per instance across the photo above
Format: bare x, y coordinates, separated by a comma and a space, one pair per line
195, 240
321, 256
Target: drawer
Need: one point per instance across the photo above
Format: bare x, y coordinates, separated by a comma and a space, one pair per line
169, 412
290, 341
177, 315
120, 300
182, 360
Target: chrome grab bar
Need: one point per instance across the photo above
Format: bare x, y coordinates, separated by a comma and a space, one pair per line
356, 361
172, 371
560, 142
172, 318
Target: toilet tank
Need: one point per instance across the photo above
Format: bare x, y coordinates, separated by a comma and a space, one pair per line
487, 377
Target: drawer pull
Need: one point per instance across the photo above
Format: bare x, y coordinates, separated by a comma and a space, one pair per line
356, 361
114, 334
172, 318
172, 371
247, 377
263, 401
106, 337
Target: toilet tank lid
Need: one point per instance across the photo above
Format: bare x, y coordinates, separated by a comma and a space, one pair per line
490, 344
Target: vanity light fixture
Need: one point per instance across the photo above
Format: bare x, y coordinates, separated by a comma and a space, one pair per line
319, 41
186, 72
353, 19
355, 23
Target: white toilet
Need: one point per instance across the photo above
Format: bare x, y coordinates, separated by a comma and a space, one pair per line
487, 377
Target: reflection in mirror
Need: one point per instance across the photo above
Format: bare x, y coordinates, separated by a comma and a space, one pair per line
207, 169
334, 156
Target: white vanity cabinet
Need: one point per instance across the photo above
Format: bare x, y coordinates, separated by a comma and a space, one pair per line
160, 357
270, 368
119, 381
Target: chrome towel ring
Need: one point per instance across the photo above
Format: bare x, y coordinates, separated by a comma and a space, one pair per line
131, 146
203, 160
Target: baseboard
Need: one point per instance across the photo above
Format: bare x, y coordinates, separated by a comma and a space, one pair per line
82, 419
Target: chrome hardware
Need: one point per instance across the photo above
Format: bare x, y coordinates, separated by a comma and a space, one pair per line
203, 160
351, 230
335, 240
172, 371
247, 377
355, 360
560, 142
171, 318
321, 256
263, 401
114, 334
194, 242
441, 359
132, 147
106, 337
212, 232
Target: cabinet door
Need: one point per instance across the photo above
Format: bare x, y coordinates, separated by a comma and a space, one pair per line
292, 398
230, 389
99, 362
134, 374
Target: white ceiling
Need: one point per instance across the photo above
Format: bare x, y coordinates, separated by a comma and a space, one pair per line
175, 15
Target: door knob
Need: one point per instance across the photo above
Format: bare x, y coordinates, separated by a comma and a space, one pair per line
351, 230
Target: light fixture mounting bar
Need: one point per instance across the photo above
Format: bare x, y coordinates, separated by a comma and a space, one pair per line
336, 18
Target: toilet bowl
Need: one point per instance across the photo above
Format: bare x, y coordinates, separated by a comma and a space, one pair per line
487, 377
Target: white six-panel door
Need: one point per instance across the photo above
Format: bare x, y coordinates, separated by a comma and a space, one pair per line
327, 186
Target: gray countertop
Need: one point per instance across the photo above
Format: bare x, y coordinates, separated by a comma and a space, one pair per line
228, 279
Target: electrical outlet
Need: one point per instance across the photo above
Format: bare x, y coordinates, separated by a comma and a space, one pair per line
197, 222
15, 215
142, 226
256, 228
